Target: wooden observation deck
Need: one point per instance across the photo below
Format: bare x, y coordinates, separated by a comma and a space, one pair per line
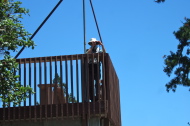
61, 86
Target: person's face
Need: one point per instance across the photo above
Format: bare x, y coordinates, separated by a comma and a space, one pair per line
93, 43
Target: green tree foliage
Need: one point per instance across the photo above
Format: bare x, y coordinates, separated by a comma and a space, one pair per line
178, 63
57, 80
12, 36
71, 98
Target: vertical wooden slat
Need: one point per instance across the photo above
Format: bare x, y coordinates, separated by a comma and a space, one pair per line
14, 113
30, 99
110, 89
40, 81
83, 86
115, 94
86, 79
103, 88
92, 80
106, 86
112, 95
25, 86
87, 83
55, 89
46, 88
35, 114
51, 94
66, 74
119, 114
98, 83
61, 83
71, 77
77, 84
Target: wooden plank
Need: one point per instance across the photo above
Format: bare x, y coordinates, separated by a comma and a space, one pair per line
63, 57
24, 111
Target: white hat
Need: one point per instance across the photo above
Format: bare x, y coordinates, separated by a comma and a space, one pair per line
92, 40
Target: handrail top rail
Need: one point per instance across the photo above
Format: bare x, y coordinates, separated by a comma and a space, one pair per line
58, 58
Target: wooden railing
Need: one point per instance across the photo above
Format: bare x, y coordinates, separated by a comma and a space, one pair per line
68, 86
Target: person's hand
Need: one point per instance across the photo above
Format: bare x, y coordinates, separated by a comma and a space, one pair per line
99, 43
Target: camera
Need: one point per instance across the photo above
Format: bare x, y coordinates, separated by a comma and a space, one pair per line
97, 43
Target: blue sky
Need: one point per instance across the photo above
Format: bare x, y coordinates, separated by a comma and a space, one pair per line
136, 34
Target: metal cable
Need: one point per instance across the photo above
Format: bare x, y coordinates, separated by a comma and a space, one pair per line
96, 21
39, 27
84, 25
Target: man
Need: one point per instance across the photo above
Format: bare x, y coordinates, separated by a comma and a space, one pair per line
94, 46
96, 65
